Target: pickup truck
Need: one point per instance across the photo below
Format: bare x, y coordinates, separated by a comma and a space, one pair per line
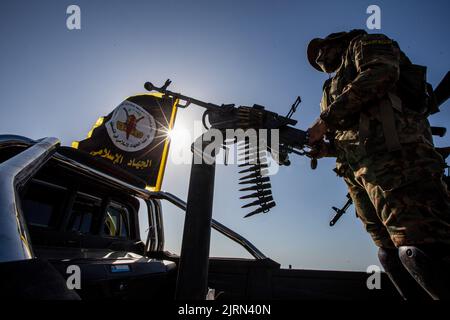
61, 208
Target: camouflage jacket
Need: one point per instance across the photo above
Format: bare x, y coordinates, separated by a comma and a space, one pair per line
365, 86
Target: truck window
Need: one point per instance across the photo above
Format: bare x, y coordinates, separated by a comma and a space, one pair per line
116, 222
86, 211
42, 204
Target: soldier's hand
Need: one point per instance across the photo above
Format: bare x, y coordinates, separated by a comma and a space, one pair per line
317, 131
320, 150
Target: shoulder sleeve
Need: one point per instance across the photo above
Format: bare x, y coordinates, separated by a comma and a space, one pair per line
325, 94
376, 59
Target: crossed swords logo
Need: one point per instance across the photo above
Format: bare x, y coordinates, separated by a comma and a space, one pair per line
129, 126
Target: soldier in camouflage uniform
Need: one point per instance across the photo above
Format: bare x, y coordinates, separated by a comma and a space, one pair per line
385, 154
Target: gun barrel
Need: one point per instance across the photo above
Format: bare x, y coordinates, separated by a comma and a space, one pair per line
150, 87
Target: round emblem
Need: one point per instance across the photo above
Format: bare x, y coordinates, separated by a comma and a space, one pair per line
131, 128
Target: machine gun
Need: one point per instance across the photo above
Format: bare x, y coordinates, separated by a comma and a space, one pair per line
253, 155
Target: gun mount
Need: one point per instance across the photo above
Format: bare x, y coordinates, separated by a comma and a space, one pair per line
196, 234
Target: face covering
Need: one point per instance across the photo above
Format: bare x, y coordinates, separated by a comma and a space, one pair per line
329, 58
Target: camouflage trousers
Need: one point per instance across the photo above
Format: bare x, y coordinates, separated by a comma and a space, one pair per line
400, 196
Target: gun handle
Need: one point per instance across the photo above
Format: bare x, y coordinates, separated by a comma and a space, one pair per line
335, 219
313, 163
337, 216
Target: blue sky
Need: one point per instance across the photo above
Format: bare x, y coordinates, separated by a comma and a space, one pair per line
56, 82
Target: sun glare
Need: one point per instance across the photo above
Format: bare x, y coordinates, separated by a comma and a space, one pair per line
179, 136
